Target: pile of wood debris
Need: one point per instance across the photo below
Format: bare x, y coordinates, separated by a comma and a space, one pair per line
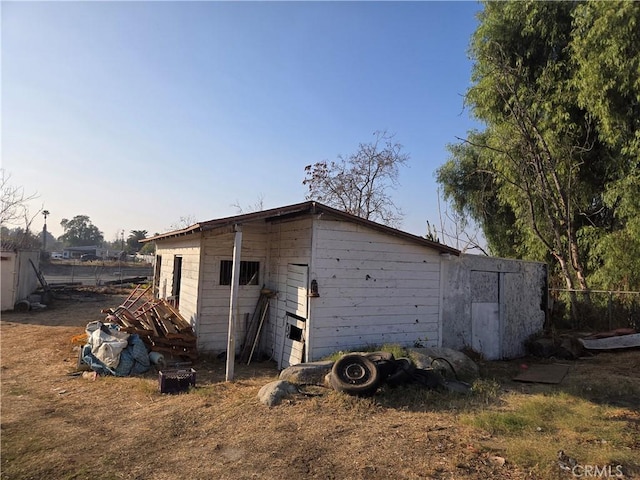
156, 322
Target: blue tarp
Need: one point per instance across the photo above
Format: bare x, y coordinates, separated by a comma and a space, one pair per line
134, 358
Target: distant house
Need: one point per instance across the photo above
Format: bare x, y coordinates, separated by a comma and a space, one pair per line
77, 252
342, 282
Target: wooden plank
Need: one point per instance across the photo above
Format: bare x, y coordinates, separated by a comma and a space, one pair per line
140, 332
151, 323
177, 318
254, 326
128, 301
169, 326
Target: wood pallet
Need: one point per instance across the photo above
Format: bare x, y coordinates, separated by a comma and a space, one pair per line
157, 323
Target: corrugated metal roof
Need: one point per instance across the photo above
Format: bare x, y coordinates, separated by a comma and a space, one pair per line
296, 210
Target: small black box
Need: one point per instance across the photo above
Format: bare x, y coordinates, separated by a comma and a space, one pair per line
176, 381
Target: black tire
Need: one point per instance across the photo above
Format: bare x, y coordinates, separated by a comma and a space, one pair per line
376, 357
403, 373
385, 362
355, 374
405, 364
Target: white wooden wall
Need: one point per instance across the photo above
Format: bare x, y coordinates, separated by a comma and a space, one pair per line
189, 249
213, 320
374, 289
289, 243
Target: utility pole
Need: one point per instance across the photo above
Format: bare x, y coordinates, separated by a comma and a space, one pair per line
45, 213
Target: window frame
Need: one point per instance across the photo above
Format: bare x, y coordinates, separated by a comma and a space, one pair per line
249, 272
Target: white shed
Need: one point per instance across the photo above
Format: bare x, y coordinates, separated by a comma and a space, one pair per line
342, 282
19, 279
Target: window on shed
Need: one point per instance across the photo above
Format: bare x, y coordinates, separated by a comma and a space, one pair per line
249, 272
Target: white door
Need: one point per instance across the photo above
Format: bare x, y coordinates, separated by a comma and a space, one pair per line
485, 314
295, 319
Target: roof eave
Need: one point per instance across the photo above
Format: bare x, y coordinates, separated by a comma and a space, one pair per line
309, 207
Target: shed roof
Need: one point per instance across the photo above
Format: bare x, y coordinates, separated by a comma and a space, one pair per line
299, 210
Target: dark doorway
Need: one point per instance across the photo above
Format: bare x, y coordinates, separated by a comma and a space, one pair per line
177, 276
156, 276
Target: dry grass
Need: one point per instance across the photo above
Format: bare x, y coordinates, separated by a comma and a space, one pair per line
62, 427
531, 428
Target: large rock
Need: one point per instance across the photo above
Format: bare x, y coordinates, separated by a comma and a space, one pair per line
312, 373
465, 369
272, 393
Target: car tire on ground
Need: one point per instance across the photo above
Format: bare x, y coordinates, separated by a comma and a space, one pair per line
384, 361
403, 373
355, 374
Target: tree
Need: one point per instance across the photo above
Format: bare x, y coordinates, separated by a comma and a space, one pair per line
531, 148
79, 231
183, 222
19, 238
51, 241
14, 212
258, 206
536, 179
148, 248
606, 48
359, 184
133, 241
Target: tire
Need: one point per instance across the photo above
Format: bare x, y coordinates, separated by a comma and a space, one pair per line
385, 363
355, 374
376, 357
403, 373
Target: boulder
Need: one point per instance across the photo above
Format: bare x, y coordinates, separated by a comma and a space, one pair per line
312, 373
272, 393
431, 357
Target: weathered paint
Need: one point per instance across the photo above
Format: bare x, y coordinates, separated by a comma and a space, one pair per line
214, 298
373, 289
289, 244
19, 279
492, 305
189, 249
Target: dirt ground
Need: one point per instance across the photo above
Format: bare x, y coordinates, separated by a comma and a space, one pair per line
58, 426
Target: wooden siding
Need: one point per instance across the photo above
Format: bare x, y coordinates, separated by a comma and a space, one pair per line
189, 250
214, 298
374, 289
289, 243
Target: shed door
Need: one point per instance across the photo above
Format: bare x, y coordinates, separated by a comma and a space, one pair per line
177, 280
485, 314
295, 321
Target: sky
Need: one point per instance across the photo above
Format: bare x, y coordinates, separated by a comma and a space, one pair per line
138, 114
